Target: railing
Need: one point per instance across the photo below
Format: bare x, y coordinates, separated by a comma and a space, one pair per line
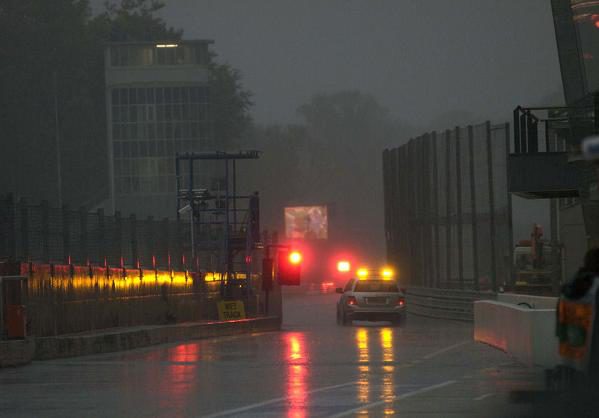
445, 303
447, 208
540, 129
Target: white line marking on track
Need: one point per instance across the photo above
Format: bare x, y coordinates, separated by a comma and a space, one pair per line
481, 397
443, 350
395, 399
325, 388
275, 400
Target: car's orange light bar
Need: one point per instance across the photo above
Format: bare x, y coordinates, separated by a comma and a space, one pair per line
387, 273
362, 273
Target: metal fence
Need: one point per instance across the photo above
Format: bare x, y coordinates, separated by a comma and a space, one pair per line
40, 233
448, 210
88, 271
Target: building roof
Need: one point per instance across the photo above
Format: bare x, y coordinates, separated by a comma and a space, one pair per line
179, 42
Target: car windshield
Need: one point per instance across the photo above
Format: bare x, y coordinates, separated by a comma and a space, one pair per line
376, 286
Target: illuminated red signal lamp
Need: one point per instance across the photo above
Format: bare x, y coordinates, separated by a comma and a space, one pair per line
343, 266
295, 257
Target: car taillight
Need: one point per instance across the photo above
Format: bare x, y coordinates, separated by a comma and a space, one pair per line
351, 300
401, 302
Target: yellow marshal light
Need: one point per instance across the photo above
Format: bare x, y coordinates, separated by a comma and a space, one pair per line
387, 273
362, 273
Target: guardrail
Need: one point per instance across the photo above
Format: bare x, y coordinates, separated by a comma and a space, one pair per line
445, 303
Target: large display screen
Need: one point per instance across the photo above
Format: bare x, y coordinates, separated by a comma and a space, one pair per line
306, 222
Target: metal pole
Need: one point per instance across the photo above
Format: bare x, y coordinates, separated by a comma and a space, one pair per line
458, 169
227, 264
178, 184
192, 235
473, 208
509, 210
234, 193
436, 209
491, 206
190, 194
447, 209
517, 140
57, 137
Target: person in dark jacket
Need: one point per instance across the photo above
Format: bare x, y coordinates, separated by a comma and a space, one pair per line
582, 282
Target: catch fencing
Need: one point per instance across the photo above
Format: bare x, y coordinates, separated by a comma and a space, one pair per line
88, 271
448, 210
43, 234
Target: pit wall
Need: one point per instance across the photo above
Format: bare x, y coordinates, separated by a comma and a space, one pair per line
66, 299
526, 334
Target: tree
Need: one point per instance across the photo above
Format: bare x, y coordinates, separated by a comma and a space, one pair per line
134, 20
230, 104
347, 132
43, 72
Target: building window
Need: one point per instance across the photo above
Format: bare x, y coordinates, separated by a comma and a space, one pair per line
148, 126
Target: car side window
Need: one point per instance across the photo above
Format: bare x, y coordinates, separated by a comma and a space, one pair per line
349, 285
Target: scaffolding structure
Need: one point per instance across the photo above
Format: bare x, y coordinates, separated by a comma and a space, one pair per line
224, 225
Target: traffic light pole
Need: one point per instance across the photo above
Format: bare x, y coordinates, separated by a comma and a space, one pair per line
267, 256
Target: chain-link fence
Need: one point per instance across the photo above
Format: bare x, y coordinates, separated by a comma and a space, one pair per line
448, 210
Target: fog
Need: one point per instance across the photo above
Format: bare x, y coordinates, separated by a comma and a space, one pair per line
333, 84
432, 64
420, 59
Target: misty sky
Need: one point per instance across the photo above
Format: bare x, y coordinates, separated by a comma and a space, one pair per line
419, 58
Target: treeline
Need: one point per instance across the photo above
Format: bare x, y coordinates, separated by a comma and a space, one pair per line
332, 156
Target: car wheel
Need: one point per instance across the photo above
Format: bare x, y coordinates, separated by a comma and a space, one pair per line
345, 321
400, 321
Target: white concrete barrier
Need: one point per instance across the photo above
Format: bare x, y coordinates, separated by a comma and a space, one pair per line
526, 334
535, 302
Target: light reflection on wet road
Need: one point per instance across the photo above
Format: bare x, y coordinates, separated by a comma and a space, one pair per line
313, 368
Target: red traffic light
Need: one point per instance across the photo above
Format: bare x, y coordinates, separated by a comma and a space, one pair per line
343, 266
295, 257
289, 268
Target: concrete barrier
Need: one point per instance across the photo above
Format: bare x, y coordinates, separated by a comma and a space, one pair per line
16, 352
535, 302
108, 341
526, 334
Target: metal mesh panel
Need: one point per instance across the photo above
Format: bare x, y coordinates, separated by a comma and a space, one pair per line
76, 245
500, 141
34, 234
55, 238
442, 206
95, 239
466, 208
450, 210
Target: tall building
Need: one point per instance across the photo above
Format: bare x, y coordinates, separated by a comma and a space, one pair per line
157, 105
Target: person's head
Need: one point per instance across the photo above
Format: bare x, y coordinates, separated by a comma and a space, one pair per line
591, 260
